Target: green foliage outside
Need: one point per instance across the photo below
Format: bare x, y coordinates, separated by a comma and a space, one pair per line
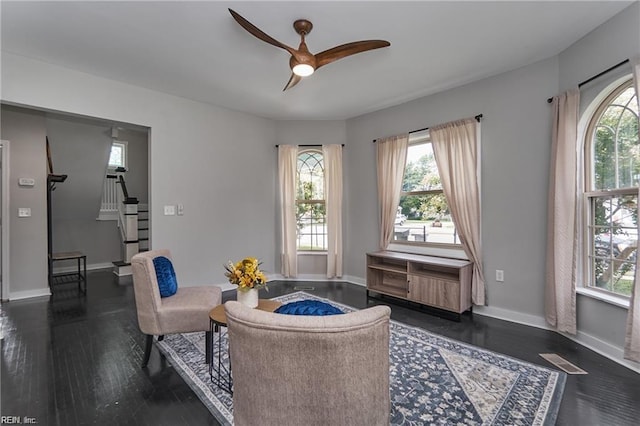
422, 175
616, 164
310, 207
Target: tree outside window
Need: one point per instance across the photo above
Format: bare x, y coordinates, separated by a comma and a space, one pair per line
310, 203
423, 214
612, 178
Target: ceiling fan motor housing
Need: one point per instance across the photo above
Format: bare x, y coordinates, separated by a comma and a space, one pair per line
302, 26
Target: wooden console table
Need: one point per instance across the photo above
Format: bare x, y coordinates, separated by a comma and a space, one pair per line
428, 280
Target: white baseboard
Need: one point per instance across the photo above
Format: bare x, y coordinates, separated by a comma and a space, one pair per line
74, 268
601, 347
605, 349
355, 280
318, 277
512, 316
27, 294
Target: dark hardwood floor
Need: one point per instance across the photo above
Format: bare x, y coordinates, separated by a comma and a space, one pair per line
76, 360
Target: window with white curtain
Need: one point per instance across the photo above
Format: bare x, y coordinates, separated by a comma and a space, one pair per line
423, 216
310, 201
612, 177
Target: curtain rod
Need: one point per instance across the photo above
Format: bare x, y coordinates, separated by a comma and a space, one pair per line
477, 117
589, 80
307, 146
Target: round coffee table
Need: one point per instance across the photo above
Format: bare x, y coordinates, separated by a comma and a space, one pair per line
219, 317
219, 370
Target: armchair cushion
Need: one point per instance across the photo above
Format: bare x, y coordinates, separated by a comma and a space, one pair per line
308, 307
166, 276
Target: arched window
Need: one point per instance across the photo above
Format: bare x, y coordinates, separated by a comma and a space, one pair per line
310, 202
612, 177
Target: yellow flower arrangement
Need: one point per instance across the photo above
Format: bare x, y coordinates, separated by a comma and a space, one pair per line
246, 274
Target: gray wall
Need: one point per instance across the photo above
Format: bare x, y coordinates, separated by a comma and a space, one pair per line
218, 163
26, 131
80, 149
515, 157
516, 132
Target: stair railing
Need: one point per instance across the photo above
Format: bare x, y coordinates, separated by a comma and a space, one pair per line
127, 221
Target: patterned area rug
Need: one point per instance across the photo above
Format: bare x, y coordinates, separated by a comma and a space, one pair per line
434, 379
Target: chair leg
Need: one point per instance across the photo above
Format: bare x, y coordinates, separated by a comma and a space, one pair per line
147, 350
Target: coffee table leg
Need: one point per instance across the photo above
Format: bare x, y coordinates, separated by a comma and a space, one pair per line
208, 343
217, 369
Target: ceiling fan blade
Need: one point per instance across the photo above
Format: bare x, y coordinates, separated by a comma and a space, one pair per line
257, 32
295, 79
344, 50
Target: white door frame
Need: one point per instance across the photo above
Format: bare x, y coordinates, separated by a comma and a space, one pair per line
6, 219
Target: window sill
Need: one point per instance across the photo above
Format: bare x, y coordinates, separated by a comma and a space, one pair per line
621, 302
455, 253
312, 253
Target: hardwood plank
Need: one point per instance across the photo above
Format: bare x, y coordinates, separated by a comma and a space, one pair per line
77, 362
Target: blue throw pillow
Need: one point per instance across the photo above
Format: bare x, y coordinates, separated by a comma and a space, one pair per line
308, 307
166, 276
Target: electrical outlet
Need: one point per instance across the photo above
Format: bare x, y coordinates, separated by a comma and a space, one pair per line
169, 210
499, 275
24, 212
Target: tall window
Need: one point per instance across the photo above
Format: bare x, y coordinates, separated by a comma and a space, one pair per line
118, 155
310, 204
423, 216
612, 164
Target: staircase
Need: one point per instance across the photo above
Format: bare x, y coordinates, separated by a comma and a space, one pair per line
130, 225
143, 227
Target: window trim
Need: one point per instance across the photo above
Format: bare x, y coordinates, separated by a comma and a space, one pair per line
601, 102
423, 138
316, 150
125, 150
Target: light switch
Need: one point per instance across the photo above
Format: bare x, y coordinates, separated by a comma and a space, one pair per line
26, 181
169, 210
180, 209
24, 212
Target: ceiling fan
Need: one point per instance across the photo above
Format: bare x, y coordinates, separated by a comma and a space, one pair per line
302, 62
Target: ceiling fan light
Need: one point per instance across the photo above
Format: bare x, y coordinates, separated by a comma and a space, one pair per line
303, 70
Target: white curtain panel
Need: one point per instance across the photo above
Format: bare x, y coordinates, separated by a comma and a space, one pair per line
391, 159
287, 169
632, 338
332, 155
562, 242
455, 147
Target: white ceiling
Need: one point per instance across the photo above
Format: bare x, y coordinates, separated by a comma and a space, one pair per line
196, 49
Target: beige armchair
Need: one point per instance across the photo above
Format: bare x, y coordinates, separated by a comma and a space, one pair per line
184, 312
311, 370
